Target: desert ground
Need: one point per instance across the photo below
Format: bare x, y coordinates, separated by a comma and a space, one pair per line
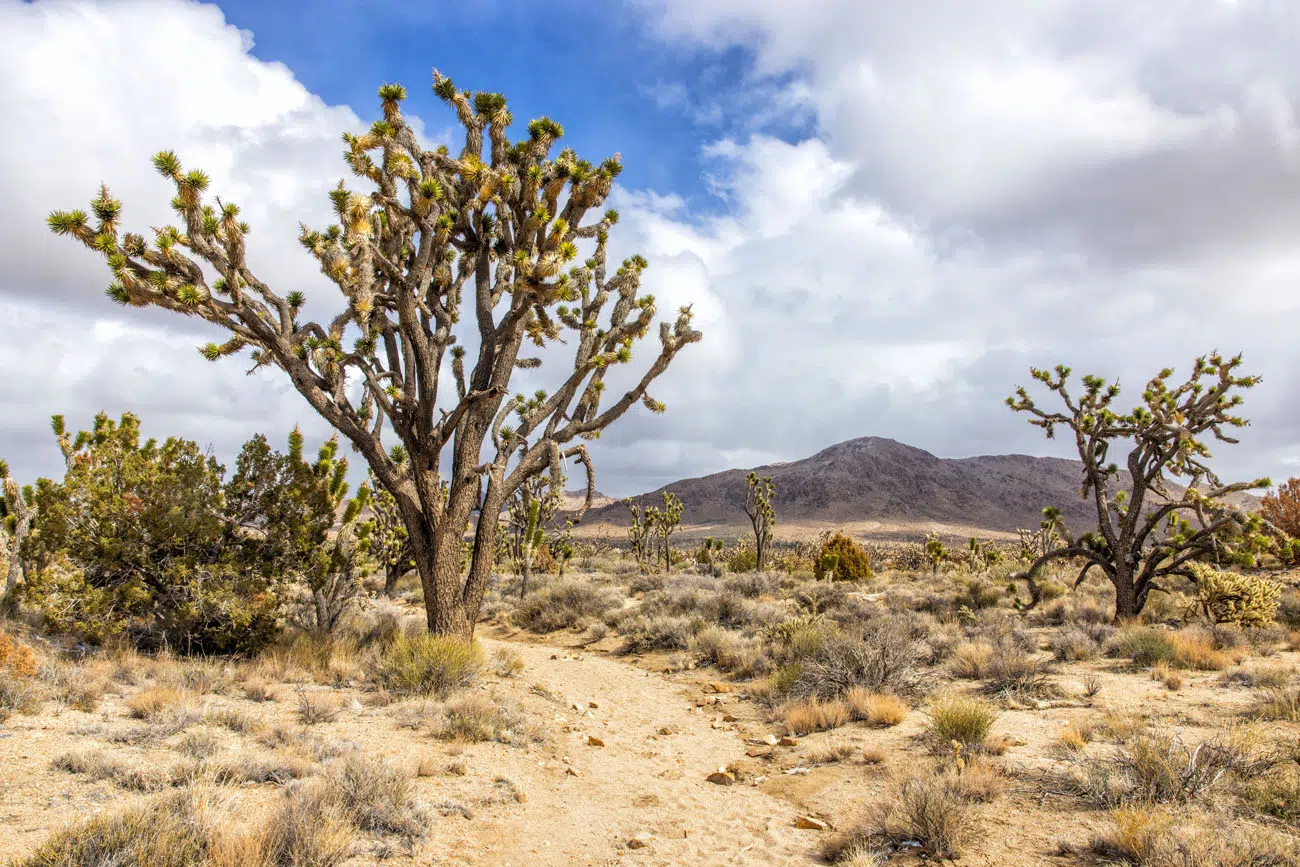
616, 717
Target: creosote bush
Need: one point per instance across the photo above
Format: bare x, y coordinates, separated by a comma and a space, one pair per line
842, 559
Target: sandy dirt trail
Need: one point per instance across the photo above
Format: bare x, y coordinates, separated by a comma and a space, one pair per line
641, 782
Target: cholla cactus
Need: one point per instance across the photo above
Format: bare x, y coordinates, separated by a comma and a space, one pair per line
758, 506
504, 240
1146, 532
1226, 597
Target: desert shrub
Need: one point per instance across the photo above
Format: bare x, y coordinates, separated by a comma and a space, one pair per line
507, 662
743, 559
732, 652
926, 811
1158, 767
309, 828
16, 658
316, 707
173, 571
426, 664
99, 765
1153, 837
1145, 645
375, 796
1276, 794
874, 707
644, 633
752, 584
1197, 650
883, 660
1014, 673
962, 719
1227, 597
843, 559
977, 594
563, 605
1073, 644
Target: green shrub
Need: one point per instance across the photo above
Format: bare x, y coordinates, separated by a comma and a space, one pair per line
427, 664
1145, 645
843, 559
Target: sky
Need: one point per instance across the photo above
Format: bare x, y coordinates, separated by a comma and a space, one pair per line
883, 213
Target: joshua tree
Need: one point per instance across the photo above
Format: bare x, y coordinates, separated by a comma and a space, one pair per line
505, 220
758, 505
1149, 531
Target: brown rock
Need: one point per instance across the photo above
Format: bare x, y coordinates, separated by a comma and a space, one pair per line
788, 742
593, 741
721, 778
640, 841
809, 823
715, 686
726, 717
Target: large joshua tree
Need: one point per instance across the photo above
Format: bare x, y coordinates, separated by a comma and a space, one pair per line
1145, 530
485, 241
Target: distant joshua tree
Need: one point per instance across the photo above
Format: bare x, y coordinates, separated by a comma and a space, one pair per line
435, 244
759, 493
1147, 533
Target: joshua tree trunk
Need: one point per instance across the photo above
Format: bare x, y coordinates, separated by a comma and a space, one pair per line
393, 573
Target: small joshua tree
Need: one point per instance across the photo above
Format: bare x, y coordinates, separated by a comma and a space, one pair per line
665, 522
17, 512
299, 514
935, 552
528, 515
390, 544
639, 533
1148, 532
434, 248
758, 505
704, 557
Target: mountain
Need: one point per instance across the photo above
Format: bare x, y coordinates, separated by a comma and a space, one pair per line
896, 488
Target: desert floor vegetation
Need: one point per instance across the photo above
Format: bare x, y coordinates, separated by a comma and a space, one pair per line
691, 717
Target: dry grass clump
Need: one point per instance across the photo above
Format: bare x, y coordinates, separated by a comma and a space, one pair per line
961, 719
156, 702
18, 694
814, 715
1014, 674
831, 753
876, 708
375, 796
16, 658
475, 718
78, 686
1152, 837
1076, 736
99, 765
317, 707
175, 830
820, 661
970, 659
427, 664
1162, 673
507, 662
918, 810
1278, 703
257, 689
1158, 767
1188, 648
643, 633
564, 605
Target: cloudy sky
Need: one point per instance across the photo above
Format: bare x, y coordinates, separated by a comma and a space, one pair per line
884, 213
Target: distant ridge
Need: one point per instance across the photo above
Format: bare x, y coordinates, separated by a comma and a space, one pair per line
872, 479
